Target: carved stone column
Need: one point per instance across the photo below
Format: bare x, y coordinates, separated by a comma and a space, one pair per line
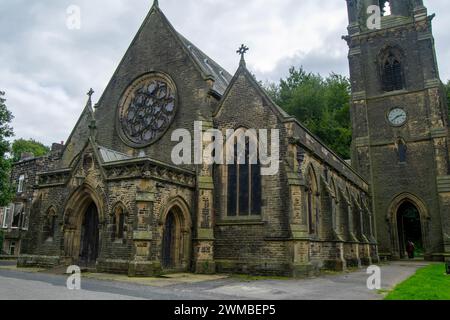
298, 220
143, 263
204, 227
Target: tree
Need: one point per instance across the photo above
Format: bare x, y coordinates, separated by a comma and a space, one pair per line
31, 146
6, 132
321, 104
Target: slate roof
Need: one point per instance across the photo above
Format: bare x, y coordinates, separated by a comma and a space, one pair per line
109, 155
209, 67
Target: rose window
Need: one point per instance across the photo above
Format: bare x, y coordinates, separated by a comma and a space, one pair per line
147, 109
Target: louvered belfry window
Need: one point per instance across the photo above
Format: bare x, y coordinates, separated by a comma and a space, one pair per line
392, 74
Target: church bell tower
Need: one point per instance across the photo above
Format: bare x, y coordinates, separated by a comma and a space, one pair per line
400, 125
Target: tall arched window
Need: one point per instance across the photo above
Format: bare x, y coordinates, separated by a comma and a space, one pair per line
401, 150
312, 202
391, 73
244, 175
334, 207
50, 226
118, 223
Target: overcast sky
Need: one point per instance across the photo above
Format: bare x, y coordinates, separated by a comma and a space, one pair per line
46, 69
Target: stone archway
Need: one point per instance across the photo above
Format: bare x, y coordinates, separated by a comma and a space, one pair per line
408, 227
82, 227
408, 218
170, 246
89, 238
176, 237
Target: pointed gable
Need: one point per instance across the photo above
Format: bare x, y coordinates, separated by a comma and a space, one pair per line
248, 103
159, 49
78, 137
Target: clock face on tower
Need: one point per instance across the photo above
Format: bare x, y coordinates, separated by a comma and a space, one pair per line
397, 117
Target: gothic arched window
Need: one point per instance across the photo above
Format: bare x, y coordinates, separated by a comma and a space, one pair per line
334, 207
312, 201
244, 176
401, 150
118, 223
50, 225
391, 73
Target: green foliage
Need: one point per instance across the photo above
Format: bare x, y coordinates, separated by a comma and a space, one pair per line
21, 145
6, 132
429, 283
321, 104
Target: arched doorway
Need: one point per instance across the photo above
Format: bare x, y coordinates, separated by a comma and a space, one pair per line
176, 237
409, 228
169, 242
83, 219
89, 239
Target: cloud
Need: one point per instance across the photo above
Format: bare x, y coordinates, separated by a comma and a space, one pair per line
46, 69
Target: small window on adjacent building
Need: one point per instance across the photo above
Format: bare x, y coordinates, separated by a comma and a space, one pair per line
25, 220
12, 248
2, 212
20, 186
6, 217
17, 215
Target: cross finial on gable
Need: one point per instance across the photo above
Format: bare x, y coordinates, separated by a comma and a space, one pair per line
242, 51
90, 93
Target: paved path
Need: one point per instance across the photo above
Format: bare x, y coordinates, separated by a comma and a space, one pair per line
17, 284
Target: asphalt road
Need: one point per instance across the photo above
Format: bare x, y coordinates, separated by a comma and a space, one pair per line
18, 285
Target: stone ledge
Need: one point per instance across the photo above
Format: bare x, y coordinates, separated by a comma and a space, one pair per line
142, 235
6, 257
439, 133
360, 95
144, 269
254, 267
432, 83
205, 234
205, 267
239, 223
443, 184
39, 261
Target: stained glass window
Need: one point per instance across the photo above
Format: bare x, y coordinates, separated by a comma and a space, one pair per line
147, 109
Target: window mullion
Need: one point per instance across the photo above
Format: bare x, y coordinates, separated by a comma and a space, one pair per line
250, 191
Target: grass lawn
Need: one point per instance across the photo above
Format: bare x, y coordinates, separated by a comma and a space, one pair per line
429, 283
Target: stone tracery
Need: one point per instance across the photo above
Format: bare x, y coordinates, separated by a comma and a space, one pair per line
148, 109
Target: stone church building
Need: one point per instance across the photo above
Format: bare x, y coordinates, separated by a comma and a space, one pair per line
112, 198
